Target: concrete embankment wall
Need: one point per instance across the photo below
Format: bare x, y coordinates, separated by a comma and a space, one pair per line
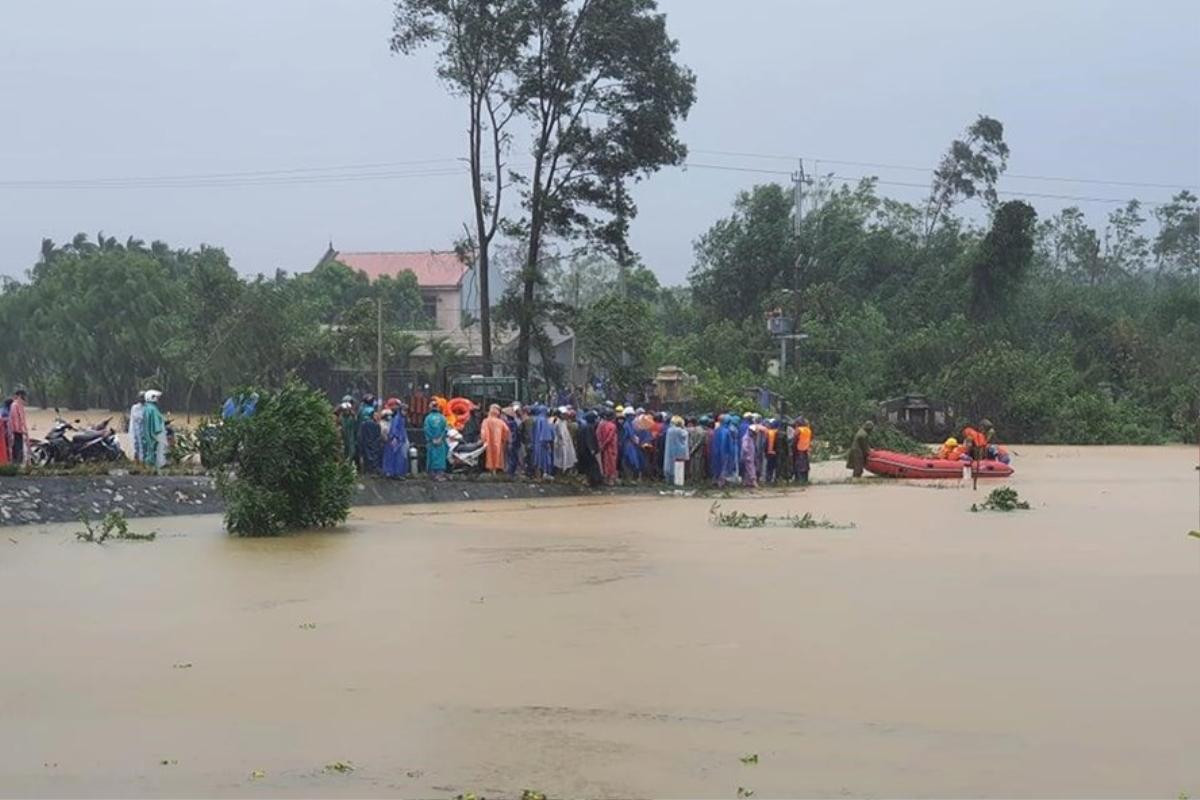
30, 500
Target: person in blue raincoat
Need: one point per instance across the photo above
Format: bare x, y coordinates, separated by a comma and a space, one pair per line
631, 451
543, 443
154, 431
395, 452
437, 449
675, 448
370, 444
719, 457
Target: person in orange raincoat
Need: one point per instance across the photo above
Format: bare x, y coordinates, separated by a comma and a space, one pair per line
494, 435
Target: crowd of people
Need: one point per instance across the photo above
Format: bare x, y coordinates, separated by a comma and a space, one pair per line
375, 435
610, 442
602, 444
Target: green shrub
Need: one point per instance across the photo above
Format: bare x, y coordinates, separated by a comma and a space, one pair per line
887, 437
284, 469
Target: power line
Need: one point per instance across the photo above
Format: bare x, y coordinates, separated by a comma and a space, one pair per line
923, 186
297, 176
441, 167
1040, 195
928, 170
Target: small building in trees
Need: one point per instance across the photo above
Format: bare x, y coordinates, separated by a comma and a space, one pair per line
673, 385
918, 416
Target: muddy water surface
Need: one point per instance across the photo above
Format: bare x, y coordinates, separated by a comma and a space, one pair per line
625, 647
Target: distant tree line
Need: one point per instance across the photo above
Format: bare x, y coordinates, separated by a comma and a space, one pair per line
96, 321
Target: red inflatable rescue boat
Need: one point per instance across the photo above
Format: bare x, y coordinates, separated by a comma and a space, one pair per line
899, 465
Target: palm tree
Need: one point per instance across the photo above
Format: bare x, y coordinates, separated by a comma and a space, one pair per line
442, 354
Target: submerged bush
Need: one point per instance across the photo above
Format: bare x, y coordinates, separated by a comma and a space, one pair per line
282, 467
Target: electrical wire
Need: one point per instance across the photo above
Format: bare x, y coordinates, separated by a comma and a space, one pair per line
923, 186
928, 170
442, 167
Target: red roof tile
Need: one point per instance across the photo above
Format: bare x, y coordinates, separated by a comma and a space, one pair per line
432, 267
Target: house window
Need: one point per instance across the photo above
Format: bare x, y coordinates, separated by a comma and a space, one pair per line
429, 306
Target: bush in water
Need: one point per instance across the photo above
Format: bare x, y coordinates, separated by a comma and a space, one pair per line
284, 469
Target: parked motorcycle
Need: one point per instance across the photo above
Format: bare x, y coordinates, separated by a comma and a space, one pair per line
464, 456
97, 443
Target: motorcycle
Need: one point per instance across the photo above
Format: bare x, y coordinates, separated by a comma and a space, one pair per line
464, 456
97, 443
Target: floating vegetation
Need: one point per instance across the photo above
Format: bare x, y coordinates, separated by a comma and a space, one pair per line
113, 526
168, 762
343, 767
1002, 499
308, 626
740, 519
531, 794
257, 774
750, 759
744, 792
182, 665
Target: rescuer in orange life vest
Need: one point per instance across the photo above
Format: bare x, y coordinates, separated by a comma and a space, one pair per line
977, 440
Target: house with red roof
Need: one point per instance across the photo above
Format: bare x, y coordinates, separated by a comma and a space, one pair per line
441, 276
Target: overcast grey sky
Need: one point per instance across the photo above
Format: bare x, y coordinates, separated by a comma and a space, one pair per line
133, 88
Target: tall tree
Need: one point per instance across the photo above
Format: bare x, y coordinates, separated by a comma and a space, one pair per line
479, 42
741, 259
1126, 249
602, 93
1177, 246
970, 167
1002, 260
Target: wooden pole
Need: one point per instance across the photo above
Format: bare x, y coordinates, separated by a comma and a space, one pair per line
379, 348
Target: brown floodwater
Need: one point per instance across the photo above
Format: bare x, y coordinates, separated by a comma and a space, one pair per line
624, 647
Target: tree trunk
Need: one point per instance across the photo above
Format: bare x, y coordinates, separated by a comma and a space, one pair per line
482, 235
529, 281
485, 311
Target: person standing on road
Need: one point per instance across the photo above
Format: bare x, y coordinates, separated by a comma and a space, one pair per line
154, 431
136, 414
18, 426
395, 452
4, 409
437, 449
494, 435
859, 449
675, 448
771, 451
348, 426
801, 462
370, 442
565, 454
606, 439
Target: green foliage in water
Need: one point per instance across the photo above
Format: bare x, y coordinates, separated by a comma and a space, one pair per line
112, 526
1002, 499
740, 519
282, 467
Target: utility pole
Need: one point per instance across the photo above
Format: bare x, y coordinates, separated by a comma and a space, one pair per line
798, 198
379, 347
